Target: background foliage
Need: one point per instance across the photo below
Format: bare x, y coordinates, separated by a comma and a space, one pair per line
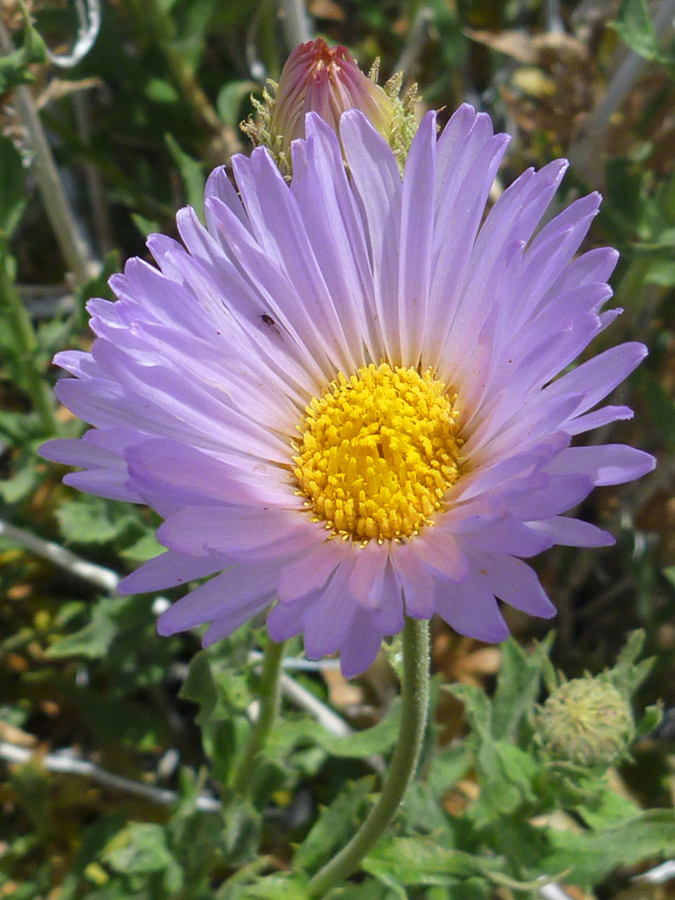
87, 688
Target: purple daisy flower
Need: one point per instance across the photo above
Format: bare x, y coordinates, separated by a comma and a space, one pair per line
343, 392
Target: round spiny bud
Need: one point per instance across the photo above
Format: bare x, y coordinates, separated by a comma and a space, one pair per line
586, 721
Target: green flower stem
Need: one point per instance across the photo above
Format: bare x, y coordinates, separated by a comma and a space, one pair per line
24, 339
269, 706
415, 702
73, 248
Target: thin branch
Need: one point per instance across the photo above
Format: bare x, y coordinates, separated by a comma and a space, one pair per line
65, 559
658, 875
66, 764
584, 154
71, 244
294, 22
552, 891
325, 716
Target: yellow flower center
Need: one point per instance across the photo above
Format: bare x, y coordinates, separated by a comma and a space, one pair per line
378, 452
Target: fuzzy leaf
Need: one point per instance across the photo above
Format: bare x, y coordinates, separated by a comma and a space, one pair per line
591, 857
517, 688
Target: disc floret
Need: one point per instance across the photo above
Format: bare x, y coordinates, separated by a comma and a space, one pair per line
378, 451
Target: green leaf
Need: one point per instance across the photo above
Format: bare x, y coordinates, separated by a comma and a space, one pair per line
93, 520
242, 827
141, 849
591, 857
16, 427
277, 887
196, 838
288, 734
477, 706
192, 176
230, 98
93, 641
650, 721
608, 810
627, 674
14, 67
218, 688
635, 28
161, 91
94, 839
448, 767
335, 825
367, 890
21, 485
507, 777
421, 860
517, 687
145, 548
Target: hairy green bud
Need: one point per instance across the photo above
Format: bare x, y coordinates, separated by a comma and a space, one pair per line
326, 80
586, 721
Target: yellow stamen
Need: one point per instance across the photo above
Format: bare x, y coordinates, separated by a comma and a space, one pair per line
378, 451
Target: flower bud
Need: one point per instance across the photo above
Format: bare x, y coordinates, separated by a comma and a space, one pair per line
326, 80
586, 721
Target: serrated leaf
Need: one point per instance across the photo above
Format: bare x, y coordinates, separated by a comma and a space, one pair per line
591, 857
507, 774
335, 825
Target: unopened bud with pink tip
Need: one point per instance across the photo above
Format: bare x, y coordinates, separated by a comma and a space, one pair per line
326, 80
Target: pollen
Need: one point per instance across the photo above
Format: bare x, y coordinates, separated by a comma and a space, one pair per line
377, 452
